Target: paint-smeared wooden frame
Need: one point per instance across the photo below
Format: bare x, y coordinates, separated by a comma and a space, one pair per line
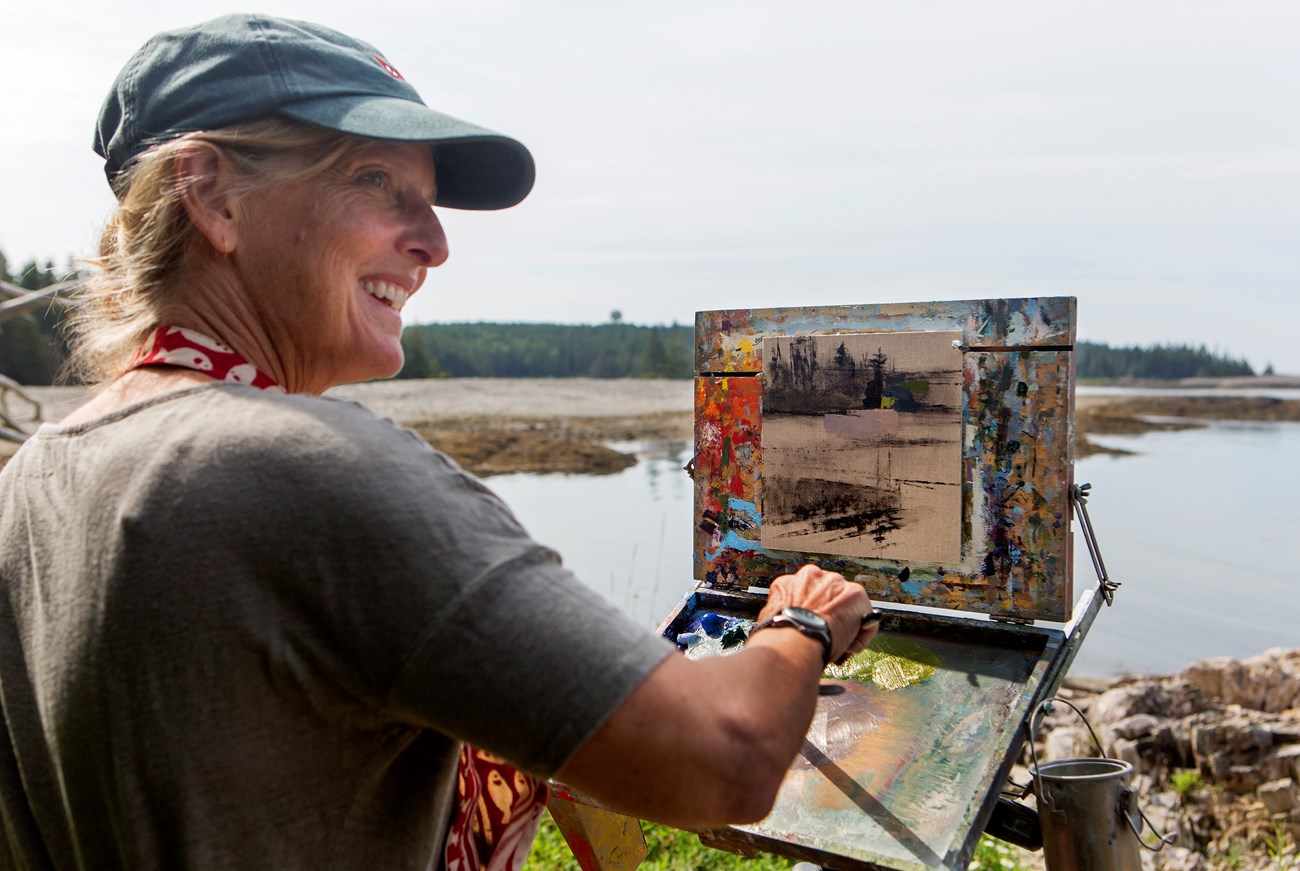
1016, 457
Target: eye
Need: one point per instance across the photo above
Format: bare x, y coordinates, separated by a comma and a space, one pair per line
376, 178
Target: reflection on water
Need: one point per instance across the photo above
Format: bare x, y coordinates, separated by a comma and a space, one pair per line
627, 535
1199, 526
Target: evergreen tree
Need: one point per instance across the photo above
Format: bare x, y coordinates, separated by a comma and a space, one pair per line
31, 346
654, 359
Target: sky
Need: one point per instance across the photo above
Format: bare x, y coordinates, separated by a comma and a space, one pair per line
709, 154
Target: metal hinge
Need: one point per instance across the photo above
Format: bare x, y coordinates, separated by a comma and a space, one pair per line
1019, 621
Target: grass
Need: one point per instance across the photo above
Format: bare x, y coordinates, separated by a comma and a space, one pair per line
994, 855
1281, 849
675, 850
1186, 781
670, 850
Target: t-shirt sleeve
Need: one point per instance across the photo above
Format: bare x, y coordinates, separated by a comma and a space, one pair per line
410, 583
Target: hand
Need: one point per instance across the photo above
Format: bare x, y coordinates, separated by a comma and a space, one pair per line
843, 603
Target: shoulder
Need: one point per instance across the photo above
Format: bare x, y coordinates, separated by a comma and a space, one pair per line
286, 425
233, 436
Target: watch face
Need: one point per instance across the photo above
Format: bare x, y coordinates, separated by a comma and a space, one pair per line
806, 617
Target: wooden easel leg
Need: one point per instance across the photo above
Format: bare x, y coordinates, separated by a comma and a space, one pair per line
601, 840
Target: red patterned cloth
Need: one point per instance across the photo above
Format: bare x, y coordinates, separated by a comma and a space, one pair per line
498, 806
499, 810
177, 346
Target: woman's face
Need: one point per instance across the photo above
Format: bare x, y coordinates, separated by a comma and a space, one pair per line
329, 260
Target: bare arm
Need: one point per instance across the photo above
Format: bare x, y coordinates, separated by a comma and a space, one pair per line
707, 742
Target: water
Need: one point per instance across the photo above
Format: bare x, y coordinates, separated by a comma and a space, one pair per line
1199, 526
1201, 529
627, 535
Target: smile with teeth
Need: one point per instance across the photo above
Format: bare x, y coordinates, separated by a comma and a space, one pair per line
389, 293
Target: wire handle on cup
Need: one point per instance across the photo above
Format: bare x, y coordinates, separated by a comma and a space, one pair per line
1129, 793
1137, 830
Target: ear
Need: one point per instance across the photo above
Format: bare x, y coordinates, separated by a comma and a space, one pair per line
203, 175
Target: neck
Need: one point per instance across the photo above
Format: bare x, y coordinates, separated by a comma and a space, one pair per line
215, 302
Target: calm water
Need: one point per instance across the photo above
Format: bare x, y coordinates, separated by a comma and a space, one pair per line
1200, 527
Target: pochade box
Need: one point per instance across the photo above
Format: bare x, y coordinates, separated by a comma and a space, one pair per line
924, 450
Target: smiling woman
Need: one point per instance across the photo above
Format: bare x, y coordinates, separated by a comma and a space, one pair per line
243, 625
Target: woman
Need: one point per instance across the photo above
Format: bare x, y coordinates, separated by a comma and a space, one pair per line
246, 626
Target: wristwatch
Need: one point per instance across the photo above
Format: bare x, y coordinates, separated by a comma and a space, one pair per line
810, 623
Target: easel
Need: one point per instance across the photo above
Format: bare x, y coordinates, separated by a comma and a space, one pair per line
904, 774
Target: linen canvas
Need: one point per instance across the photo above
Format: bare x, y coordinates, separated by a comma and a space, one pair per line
862, 445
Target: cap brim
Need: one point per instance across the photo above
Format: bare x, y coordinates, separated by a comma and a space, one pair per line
476, 167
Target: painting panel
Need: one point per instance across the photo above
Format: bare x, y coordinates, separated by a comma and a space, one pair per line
862, 445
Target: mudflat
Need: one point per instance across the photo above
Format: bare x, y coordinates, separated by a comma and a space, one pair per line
499, 425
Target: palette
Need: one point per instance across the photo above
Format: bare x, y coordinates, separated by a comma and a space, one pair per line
924, 450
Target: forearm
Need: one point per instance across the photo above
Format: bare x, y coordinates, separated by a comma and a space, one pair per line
713, 737
702, 743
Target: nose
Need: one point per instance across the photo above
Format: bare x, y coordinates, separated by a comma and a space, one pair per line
424, 240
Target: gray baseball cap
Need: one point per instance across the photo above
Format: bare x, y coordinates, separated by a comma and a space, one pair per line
245, 67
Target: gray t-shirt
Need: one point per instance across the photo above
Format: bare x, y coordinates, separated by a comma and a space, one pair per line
239, 629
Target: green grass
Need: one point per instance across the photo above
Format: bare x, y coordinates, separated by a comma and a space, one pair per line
1186, 781
670, 850
675, 850
994, 855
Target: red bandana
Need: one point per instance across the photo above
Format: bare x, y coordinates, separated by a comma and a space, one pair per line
499, 806
177, 346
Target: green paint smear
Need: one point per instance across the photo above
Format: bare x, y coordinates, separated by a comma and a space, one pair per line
917, 387
890, 664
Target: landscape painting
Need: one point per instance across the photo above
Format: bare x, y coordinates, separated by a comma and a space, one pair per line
862, 445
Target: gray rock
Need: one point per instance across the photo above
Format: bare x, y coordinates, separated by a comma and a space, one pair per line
1279, 796
1289, 757
1179, 859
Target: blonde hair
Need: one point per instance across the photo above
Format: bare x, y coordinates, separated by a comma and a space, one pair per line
149, 237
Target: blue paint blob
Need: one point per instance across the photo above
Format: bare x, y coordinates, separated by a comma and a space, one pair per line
712, 624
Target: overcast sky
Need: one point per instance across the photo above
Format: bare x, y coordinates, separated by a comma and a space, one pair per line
1144, 157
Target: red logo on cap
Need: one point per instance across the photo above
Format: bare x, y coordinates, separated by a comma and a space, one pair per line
387, 67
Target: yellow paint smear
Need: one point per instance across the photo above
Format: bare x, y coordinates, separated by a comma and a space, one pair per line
890, 664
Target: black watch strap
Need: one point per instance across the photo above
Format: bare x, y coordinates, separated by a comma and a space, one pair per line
808, 622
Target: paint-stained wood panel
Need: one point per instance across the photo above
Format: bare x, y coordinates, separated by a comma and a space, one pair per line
905, 756
1016, 458
727, 341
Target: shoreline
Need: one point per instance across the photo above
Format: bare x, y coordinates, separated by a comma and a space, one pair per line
495, 426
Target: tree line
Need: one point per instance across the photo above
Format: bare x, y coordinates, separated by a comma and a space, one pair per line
1099, 360
613, 350
32, 348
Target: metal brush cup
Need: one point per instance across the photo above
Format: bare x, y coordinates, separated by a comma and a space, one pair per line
1088, 809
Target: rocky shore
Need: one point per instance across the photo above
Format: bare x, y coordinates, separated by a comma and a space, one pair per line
1215, 750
